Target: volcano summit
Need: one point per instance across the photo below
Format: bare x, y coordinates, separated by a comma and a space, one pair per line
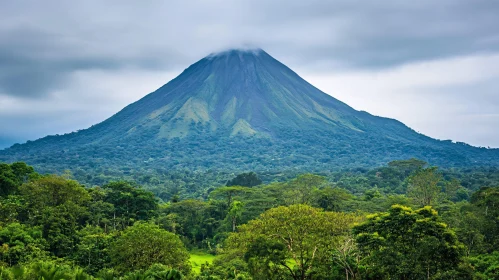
241, 110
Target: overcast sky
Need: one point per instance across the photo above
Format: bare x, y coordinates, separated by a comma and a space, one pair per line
434, 65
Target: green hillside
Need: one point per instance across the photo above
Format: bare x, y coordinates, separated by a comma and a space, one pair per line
237, 111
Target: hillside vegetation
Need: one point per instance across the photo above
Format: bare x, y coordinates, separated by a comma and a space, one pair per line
233, 112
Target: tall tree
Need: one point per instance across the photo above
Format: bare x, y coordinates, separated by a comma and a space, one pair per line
300, 233
408, 244
229, 193
131, 203
235, 213
487, 202
93, 249
300, 190
451, 188
423, 185
59, 207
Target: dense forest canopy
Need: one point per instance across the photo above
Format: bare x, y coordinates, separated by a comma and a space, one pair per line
406, 220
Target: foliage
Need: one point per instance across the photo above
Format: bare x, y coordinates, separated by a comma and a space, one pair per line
92, 253
408, 244
20, 243
487, 266
298, 232
145, 244
249, 179
486, 201
423, 186
53, 226
13, 175
131, 203
58, 206
43, 270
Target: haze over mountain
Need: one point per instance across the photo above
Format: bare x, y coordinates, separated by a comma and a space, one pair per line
241, 110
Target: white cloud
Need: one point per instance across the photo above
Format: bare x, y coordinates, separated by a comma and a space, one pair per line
447, 99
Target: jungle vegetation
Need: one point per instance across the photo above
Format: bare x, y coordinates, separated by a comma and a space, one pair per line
406, 220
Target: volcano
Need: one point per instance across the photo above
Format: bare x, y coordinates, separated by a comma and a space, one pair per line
241, 110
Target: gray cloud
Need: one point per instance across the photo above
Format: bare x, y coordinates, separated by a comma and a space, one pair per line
33, 62
42, 42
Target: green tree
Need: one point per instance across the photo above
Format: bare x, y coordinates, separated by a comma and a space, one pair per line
245, 180
101, 212
423, 185
407, 166
92, 251
229, 193
331, 199
189, 218
14, 175
59, 207
486, 266
408, 244
470, 226
52, 191
131, 203
487, 202
301, 189
487, 198
20, 243
451, 189
235, 213
144, 244
43, 270
163, 272
12, 209
300, 233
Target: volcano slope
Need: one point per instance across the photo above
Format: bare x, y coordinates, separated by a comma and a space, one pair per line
239, 110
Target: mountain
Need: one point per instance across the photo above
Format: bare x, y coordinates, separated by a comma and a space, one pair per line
240, 110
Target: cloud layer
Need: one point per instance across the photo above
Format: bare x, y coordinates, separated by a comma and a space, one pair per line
65, 65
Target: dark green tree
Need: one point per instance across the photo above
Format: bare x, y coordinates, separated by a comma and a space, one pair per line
131, 203
407, 166
14, 175
59, 207
408, 244
245, 179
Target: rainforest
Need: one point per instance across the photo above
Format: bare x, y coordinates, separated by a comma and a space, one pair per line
405, 220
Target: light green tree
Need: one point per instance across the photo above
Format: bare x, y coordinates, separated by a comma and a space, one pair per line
145, 244
294, 241
235, 212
